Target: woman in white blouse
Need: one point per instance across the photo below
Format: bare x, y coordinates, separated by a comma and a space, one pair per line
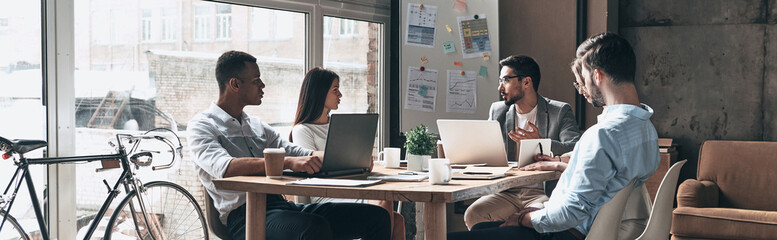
320, 93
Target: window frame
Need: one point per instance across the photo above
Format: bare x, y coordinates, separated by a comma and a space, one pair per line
59, 91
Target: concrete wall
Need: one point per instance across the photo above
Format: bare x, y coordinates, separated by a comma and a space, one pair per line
707, 67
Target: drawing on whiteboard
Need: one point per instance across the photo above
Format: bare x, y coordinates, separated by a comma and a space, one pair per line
474, 36
421, 92
461, 95
421, 25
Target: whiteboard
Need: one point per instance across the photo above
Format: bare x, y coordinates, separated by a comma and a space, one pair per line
442, 62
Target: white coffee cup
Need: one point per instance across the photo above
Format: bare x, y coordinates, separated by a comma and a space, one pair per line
390, 157
439, 171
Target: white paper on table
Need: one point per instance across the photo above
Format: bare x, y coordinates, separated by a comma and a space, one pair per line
474, 36
334, 182
421, 25
421, 91
461, 95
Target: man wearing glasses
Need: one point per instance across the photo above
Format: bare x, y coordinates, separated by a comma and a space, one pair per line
524, 114
622, 147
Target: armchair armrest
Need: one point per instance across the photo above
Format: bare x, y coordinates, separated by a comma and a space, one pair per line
699, 194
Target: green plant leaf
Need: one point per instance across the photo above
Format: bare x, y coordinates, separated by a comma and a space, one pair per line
419, 141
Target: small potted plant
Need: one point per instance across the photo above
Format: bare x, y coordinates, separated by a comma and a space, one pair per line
419, 146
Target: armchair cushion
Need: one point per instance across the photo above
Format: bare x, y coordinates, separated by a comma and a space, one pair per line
697, 193
723, 223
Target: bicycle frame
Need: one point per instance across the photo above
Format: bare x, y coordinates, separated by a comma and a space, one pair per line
125, 179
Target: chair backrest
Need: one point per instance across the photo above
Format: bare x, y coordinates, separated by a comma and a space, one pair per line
661, 215
215, 224
608, 219
740, 169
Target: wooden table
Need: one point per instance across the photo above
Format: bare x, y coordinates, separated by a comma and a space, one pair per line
433, 197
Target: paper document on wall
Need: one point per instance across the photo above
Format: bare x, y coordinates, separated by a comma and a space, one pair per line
421, 91
421, 25
474, 36
461, 95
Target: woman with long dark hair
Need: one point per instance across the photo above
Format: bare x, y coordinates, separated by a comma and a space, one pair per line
320, 93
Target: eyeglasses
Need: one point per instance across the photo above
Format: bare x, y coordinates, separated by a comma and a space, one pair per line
577, 85
504, 79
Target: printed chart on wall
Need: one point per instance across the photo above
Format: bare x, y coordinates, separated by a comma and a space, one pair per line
461, 92
421, 22
474, 36
421, 89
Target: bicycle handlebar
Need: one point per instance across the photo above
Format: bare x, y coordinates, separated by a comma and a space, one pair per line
136, 139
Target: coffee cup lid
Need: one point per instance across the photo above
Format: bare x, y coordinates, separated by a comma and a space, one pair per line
274, 150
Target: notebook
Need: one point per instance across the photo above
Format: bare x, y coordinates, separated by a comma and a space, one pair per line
473, 142
348, 147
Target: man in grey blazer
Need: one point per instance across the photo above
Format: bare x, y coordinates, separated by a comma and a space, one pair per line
523, 114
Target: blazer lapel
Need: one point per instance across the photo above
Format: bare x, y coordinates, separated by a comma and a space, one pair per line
542, 116
509, 126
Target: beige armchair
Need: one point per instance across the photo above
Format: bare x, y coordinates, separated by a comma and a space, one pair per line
733, 196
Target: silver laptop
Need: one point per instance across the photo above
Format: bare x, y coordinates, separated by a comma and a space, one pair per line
349, 146
473, 142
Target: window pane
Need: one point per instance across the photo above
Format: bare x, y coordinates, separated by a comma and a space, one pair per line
357, 60
165, 82
25, 118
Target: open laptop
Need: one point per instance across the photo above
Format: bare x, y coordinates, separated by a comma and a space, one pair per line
473, 142
348, 146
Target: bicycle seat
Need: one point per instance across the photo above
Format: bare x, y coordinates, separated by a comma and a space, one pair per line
20, 146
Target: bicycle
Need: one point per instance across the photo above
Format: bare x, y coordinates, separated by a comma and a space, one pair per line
155, 210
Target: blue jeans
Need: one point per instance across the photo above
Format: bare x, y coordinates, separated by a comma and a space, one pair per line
492, 231
318, 221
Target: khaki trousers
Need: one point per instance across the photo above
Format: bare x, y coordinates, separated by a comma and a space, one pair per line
498, 207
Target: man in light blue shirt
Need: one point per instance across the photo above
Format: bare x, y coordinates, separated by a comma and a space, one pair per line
621, 147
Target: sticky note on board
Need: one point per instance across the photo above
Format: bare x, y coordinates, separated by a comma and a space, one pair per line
486, 57
422, 90
448, 28
460, 5
457, 64
483, 71
423, 60
449, 47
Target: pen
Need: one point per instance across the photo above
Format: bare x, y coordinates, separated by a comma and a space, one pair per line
541, 153
408, 173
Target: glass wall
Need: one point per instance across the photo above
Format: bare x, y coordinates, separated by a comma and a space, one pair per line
20, 100
157, 70
353, 53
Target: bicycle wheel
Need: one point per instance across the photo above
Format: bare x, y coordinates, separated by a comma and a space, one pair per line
170, 213
11, 229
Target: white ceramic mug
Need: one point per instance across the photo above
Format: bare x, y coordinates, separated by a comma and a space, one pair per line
439, 171
390, 157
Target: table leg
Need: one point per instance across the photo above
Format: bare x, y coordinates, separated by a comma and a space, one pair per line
434, 221
256, 213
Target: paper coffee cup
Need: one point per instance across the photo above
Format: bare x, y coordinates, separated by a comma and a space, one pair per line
273, 162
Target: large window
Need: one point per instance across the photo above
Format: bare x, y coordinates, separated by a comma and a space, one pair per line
158, 84
151, 63
357, 61
21, 99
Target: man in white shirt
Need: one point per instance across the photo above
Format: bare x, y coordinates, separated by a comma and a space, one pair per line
227, 142
523, 114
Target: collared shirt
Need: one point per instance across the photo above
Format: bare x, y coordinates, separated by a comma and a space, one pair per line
622, 146
215, 138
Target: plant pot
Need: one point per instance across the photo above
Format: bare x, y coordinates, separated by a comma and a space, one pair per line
418, 163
